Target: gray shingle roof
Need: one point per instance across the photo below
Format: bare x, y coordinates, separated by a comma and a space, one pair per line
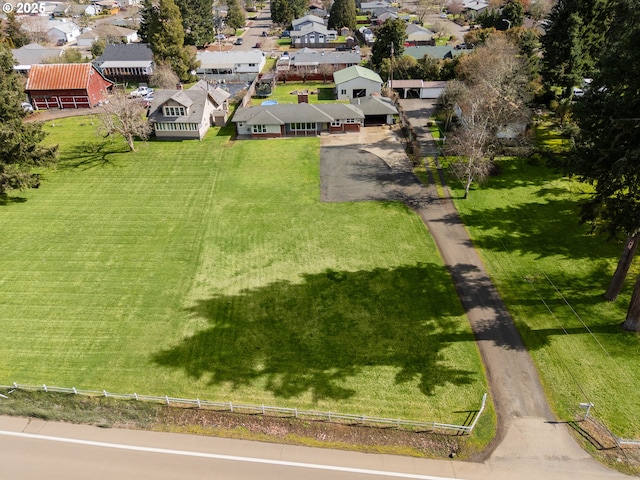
309, 56
300, 112
197, 98
129, 51
375, 105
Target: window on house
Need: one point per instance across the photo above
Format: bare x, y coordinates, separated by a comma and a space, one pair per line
336, 123
343, 92
259, 129
174, 111
302, 126
351, 120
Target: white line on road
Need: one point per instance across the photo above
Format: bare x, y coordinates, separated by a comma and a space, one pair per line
223, 457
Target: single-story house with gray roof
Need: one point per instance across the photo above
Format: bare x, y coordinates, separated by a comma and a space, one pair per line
378, 110
188, 114
297, 120
308, 60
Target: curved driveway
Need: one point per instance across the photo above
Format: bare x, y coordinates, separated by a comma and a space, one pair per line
528, 436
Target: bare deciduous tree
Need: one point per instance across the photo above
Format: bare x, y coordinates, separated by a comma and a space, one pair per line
126, 118
492, 102
164, 77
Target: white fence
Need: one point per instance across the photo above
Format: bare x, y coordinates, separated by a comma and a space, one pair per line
265, 410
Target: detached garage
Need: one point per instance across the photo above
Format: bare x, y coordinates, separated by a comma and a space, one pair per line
69, 85
417, 88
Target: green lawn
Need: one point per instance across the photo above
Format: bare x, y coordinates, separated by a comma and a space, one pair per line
287, 92
552, 274
211, 269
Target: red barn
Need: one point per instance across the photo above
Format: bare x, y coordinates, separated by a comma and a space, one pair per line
68, 85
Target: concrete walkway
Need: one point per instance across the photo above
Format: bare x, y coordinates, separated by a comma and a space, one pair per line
529, 439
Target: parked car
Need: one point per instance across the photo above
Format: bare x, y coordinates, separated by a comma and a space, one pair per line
141, 91
148, 97
220, 36
239, 41
285, 34
257, 45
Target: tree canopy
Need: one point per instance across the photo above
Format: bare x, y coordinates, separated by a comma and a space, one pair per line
343, 14
20, 148
284, 11
197, 21
161, 27
390, 38
235, 14
574, 36
14, 33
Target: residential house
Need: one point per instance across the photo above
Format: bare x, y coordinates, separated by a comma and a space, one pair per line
293, 120
304, 22
74, 9
308, 60
313, 35
69, 85
378, 110
108, 33
109, 7
438, 52
356, 82
318, 12
377, 8
367, 34
125, 63
33, 54
230, 65
188, 114
418, 35
383, 17
62, 31
474, 7
417, 88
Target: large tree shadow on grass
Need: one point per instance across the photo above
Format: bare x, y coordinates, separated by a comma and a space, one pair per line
313, 336
91, 153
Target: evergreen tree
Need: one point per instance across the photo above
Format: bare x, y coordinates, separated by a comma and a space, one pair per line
166, 39
148, 20
284, 11
14, 32
512, 15
20, 148
235, 14
572, 41
343, 14
197, 21
390, 37
607, 152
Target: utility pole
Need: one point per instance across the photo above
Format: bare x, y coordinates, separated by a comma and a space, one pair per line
391, 68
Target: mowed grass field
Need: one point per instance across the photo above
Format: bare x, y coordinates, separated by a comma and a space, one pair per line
211, 269
552, 274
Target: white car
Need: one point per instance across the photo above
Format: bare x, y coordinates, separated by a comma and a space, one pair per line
141, 92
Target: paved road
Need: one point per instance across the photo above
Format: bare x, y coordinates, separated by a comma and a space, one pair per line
35, 449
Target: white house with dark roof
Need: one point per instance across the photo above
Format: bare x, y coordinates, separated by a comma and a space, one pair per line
313, 35
188, 114
126, 62
356, 82
296, 120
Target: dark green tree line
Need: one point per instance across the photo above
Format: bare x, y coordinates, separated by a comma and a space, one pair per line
20, 148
